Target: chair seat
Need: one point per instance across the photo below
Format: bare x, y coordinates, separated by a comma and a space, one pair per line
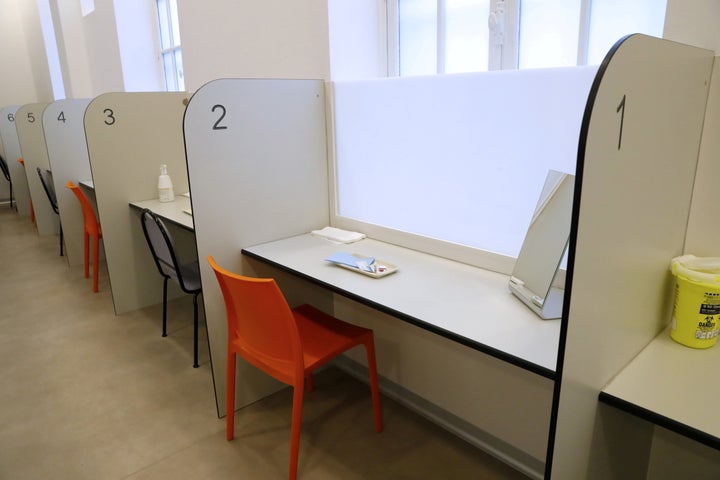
323, 336
191, 277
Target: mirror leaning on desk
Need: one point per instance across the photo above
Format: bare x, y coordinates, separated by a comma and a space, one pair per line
544, 246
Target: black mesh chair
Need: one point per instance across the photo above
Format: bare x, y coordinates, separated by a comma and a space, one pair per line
186, 275
47, 183
6, 174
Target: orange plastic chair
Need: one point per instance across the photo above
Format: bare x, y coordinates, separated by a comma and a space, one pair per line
32, 210
286, 344
92, 229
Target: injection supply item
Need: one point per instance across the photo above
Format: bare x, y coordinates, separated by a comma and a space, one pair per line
696, 313
165, 186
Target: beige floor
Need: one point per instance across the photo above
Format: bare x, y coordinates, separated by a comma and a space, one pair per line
86, 394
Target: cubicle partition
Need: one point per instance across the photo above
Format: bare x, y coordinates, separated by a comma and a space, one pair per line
637, 162
28, 121
256, 153
11, 146
63, 123
129, 135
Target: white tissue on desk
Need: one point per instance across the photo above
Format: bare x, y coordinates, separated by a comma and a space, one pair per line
338, 235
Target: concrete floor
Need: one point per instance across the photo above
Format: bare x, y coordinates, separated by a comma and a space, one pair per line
87, 394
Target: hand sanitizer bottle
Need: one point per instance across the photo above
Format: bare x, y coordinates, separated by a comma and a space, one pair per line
165, 186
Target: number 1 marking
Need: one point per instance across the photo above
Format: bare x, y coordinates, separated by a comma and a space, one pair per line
621, 110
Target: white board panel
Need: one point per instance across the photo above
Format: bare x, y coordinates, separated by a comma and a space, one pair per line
636, 167
129, 135
28, 121
63, 123
256, 152
11, 146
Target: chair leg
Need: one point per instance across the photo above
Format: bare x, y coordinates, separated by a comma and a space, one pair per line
96, 257
61, 241
230, 397
164, 330
87, 255
195, 332
372, 370
295, 429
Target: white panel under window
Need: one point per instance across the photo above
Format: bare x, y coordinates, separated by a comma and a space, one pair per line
466, 35
418, 36
548, 33
461, 158
610, 20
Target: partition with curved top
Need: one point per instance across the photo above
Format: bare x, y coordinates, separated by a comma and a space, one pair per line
28, 121
256, 153
637, 160
63, 124
128, 136
11, 146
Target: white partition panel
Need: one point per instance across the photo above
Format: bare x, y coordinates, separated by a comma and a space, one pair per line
129, 135
63, 123
28, 121
461, 158
11, 146
256, 152
636, 167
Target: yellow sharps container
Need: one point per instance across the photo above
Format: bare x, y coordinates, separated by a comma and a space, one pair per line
696, 314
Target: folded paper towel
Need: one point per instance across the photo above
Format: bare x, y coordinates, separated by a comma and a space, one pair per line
338, 235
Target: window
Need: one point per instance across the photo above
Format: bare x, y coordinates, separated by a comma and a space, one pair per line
170, 45
450, 36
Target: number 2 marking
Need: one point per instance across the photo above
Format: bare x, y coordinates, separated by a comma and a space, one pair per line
621, 110
216, 125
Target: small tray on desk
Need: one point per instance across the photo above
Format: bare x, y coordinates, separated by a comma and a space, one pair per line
389, 267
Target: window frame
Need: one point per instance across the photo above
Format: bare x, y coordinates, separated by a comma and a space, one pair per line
175, 78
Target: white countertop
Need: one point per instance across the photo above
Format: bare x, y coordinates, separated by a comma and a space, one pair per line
465, 303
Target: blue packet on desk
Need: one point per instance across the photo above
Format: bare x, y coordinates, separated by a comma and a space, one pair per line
361, 263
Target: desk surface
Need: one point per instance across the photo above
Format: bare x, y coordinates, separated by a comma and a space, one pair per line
673, 386
460, 302
171, 211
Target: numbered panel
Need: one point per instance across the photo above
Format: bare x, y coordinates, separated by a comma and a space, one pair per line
63, 123
637, 159
257, 162
129, 135
28, 121
11, 147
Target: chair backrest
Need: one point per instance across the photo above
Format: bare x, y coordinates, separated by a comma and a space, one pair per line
91, 222
260, 322
4, 168
161, 246
46, 180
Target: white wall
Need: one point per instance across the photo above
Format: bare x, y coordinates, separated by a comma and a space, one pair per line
694, 23
72, 49
17, 83
271, 38
139, 43
358, 44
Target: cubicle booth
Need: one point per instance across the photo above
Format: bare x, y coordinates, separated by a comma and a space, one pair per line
63, 124
259, 173
264, 174
11, 149
129, 135
28, 121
